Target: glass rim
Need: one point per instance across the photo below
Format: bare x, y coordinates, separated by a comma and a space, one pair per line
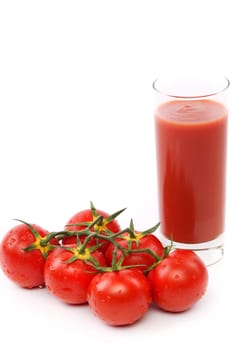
192, 96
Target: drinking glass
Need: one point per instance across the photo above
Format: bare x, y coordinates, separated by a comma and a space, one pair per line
191, 118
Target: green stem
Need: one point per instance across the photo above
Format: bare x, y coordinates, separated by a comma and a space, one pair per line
32, 229
131, 230
65, 233
114, 259
111, 239
144, 250
97, 221
114, 215
86, 241
152, 267
151, 230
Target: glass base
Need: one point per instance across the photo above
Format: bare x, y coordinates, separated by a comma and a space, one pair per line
210, 252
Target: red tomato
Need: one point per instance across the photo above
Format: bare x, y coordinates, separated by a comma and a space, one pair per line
140, 241
86, 217
178, 281
119, 297
26, 268
69, 281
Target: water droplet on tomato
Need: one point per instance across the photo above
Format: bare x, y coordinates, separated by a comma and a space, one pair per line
23, 237
11, 241
177, 276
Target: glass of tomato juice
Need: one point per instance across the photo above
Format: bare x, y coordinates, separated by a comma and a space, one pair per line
191, 135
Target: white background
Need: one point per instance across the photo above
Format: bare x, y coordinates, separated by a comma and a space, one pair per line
76, 124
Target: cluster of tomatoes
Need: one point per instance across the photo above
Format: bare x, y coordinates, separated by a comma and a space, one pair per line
118, 272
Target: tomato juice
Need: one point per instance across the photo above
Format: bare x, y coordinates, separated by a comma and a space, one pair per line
191, 165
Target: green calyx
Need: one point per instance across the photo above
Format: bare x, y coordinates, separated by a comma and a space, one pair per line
100, 225
132, 235
83, 252
40, 242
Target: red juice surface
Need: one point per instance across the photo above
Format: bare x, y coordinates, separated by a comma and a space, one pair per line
191, 164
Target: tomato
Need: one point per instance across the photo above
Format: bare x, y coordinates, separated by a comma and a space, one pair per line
68, 280
88, 216
178, 281
138, 241
26, 268
119, 297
